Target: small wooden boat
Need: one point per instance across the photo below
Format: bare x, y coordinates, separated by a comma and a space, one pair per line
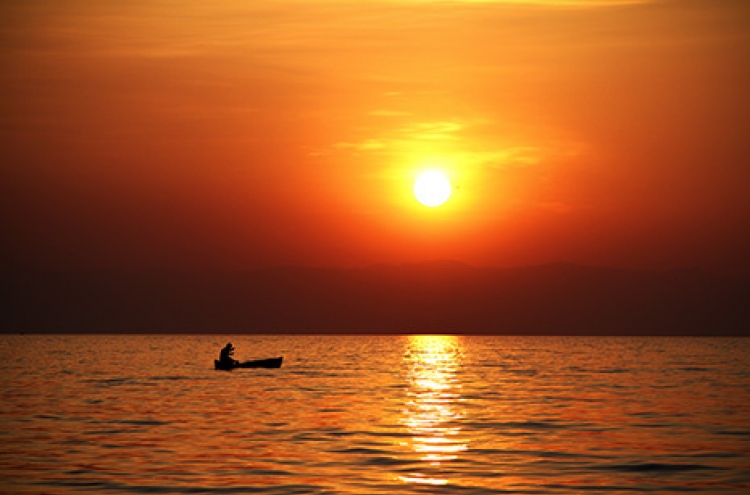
258, 363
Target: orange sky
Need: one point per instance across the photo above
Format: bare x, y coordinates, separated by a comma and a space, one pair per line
232, 134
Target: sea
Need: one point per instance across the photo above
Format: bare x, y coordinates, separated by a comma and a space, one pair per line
411, 414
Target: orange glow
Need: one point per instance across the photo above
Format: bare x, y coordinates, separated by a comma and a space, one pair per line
231, 134
434, 407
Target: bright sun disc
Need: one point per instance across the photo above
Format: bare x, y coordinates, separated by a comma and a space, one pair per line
432, 188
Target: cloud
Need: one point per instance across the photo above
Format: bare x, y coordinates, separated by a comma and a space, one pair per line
510, 156
366, 145
432, 130
457, 140
406, 138
388, 113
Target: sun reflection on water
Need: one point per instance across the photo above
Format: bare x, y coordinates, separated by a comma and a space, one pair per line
432, 413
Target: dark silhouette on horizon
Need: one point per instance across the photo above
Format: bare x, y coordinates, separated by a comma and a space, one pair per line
437, 297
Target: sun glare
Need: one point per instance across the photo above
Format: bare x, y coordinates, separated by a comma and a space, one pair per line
432, 188
434, 410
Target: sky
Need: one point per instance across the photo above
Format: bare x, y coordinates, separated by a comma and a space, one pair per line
228, 135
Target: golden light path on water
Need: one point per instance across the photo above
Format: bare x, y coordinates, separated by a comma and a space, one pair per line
433, 409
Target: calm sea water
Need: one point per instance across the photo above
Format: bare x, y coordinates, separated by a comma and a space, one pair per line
374, 415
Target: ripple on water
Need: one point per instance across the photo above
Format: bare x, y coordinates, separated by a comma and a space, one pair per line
428, 415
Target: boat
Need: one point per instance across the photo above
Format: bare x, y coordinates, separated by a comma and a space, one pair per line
258, 363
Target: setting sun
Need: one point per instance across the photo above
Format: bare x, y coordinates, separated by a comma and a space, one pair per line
432, 188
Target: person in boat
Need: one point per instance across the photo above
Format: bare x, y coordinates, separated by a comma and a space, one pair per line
225, 356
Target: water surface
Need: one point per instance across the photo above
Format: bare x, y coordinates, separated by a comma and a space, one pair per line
375, 414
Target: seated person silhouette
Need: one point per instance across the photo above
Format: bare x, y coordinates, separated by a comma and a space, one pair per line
225, 356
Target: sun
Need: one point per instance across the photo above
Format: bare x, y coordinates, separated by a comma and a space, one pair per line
432, 188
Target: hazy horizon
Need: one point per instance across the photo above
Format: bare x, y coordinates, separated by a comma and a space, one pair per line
442, 297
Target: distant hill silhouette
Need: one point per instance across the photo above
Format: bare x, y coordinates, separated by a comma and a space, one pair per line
436, 297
